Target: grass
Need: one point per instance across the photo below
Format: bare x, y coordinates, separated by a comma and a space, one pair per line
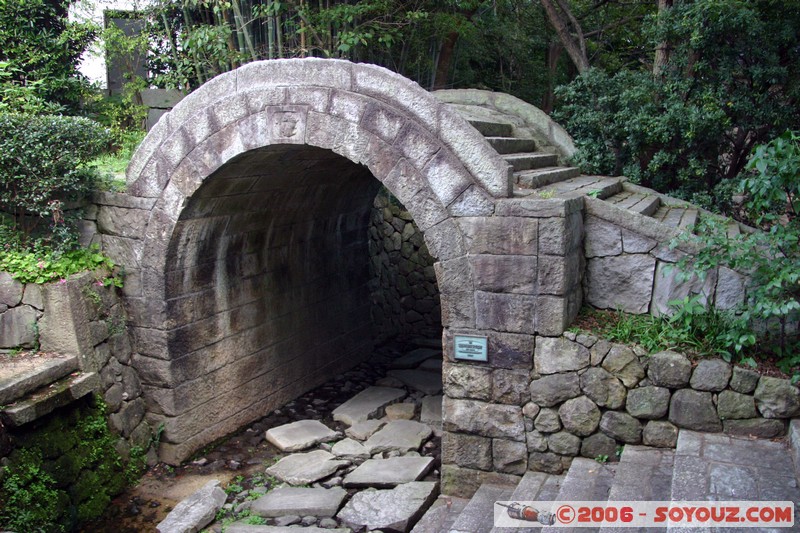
111, 165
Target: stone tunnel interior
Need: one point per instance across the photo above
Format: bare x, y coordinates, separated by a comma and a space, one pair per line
287, 266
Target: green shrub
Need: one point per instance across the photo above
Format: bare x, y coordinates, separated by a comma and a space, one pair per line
43, 165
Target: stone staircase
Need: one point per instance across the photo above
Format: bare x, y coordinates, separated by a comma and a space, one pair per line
703, 467
538, 173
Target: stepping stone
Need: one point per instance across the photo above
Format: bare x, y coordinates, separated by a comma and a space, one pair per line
427, 382
386, 473
401, 411
247, 528
364, 430
413, 358
390, 510
350, 449
441, 515
195, 512
367, 404
400, 435
431, 365
300, 435
306, 468
431, 412
299, 501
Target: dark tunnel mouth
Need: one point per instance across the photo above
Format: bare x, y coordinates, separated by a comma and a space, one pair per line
270, 285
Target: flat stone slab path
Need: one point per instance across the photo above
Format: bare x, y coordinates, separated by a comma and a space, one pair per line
393, 510
299, 501
367, 404
420, 380
389, 472
300, 435
398, 435
305, 468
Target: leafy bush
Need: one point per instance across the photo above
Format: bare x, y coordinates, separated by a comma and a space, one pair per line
43, 165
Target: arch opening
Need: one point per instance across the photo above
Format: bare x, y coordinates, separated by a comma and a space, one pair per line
274, 284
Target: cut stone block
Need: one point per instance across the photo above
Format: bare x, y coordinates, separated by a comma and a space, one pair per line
427, 382
399, 435
350, 449
384, 473
299, 501
364, 430
305, 468
20, 376
431, 412
413, 358
400, 411
247, 528
390, 510
196, 511
367, 404
299, 435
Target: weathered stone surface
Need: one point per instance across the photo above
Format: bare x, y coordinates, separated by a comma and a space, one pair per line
602, 238
734, 405
468, 381
10, 290
744, 380
711, 375
299, 435
431, 411
17, 327
511, 386
622, 282
400, 411
648, 402
350, 449
669, 369
469, 451
299, 501
623, 364
397, 509
413, 358
692, 409
564, 443
509, 456
598, 445
762, 428
426, 382
633, 243
382, 473
363, 430
536, 441
599, 351
557, 354
547, 421
660, 434
530, 410
621, 426
366, 404
242, 527
777, 398
305, 468
486, 419
602, 388
580, 416
545, 462
399, 435
196, 511
554, 389
730, 289
33, 296
668, 287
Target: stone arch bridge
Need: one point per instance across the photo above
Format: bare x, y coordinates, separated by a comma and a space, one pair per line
245, 241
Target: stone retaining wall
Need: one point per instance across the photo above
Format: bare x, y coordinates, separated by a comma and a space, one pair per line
81, 317
403, 285
21, 307
587, 397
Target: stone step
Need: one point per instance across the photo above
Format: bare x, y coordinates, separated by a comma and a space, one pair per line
478, 515
541, 177
643, 474
441, 515
645, 204
586, 480
19, 376
510, 145
531, 160
595, 186
367, 404
533, 487
49, 398
491, 129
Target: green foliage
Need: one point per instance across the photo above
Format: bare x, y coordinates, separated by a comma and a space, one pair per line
72, 449
43, 165
730, 83
771, 258
41, 50
33, 267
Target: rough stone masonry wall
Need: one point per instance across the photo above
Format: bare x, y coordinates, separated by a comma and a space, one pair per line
403, 281
586, 396
83, 318
21, 307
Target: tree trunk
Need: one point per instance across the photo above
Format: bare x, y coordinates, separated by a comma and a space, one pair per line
446, 52
664, 48
553, 54
569, 32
